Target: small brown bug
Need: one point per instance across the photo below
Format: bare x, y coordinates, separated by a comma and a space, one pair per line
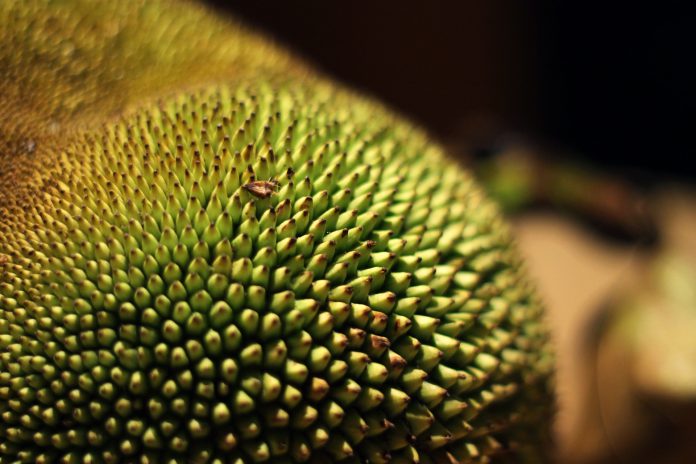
261, 188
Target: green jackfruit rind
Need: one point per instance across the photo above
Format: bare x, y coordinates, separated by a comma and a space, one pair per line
69, 65
154, 309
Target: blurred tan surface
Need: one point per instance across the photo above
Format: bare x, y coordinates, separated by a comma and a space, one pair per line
624, 322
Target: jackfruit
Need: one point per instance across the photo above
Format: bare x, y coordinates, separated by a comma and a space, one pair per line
209, 252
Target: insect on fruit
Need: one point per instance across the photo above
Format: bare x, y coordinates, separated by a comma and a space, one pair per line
261, 188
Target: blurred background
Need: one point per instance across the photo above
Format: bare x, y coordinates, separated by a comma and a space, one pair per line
577, 117
609, 81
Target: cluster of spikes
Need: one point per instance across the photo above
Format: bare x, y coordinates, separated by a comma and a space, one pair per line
157, 305
264, 272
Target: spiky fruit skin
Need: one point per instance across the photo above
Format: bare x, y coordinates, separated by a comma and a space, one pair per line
367, 307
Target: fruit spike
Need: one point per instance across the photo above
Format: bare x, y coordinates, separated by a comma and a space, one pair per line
210, 253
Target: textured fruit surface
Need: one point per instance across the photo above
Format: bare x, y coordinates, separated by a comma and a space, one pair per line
210, 253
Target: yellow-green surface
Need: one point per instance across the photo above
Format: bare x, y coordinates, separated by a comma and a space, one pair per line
152, 309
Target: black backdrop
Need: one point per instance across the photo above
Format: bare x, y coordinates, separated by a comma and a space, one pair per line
611, 82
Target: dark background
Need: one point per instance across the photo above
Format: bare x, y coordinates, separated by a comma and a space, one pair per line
611, 84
